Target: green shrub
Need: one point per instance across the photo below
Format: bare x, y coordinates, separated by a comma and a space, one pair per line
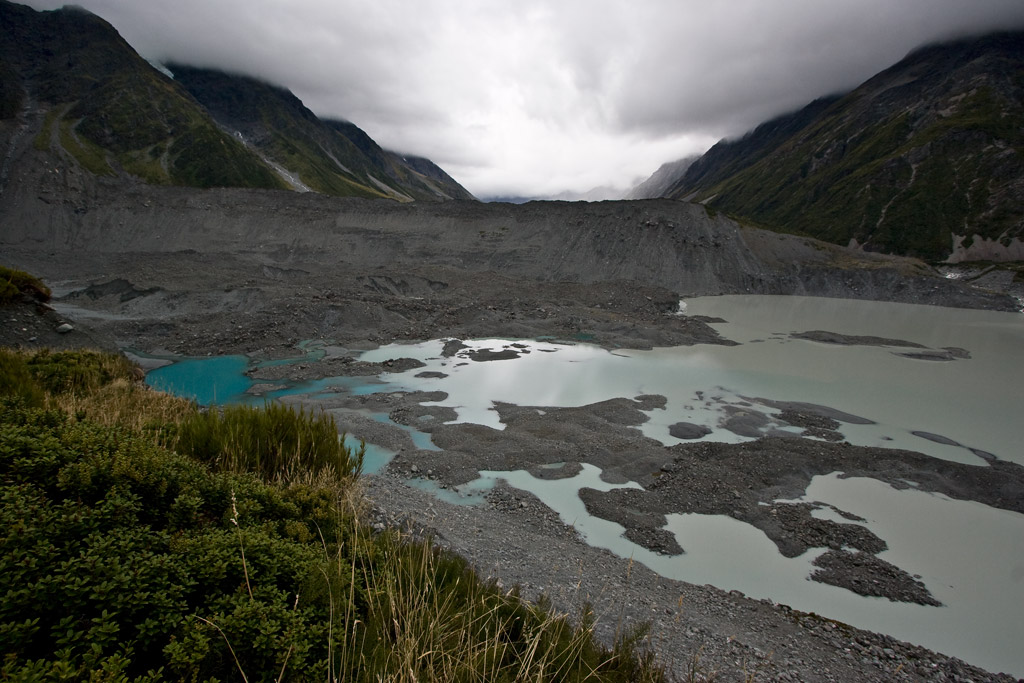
122, 560
87, 153
276, 442
17, 282
115, 551
77, 372
16, 379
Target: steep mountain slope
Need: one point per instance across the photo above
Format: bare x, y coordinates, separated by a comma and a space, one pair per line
107, 108
661, 180
923, 159
84, 99
331, 157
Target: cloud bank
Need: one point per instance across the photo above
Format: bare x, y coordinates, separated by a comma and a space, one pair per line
538, 97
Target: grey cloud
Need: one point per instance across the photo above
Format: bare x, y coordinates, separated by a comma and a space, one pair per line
726, 77
536, 93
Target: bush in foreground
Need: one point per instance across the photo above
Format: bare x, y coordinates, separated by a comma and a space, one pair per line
276, 441
123, 560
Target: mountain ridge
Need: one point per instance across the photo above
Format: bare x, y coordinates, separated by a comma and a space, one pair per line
926, 159
329, 156
661, 180
86, 97
106, 109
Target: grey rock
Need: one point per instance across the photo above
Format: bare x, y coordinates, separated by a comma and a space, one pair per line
688, 430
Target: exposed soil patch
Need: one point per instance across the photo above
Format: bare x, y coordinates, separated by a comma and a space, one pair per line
827, 337
29, 324
343, 366
483, 355
944, 355
814, 424
687, 430
806, 412
866, 574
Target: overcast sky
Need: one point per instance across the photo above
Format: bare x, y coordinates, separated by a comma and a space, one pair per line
536, 97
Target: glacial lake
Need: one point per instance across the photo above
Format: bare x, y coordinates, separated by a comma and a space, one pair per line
970, 556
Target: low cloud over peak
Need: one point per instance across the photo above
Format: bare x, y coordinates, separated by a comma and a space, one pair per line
539, 97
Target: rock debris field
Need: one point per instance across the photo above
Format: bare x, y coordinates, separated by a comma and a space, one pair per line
168, 271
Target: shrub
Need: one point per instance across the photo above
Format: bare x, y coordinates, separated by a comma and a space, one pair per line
276, 442
117, 550
16, 379
14, 283
77, 372
122, 560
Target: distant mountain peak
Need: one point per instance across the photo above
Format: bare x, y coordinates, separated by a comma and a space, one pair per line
662, 179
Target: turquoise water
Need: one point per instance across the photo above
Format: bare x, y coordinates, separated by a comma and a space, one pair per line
472, 493
350, 385
419, 439
207, 381
376, 458
222, 380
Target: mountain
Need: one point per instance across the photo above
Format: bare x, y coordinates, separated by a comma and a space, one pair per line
603, 193
331, 157
924, 159
84, 96
662, 179
106, 108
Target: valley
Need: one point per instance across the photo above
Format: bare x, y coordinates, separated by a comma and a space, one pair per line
173, 272
793, 457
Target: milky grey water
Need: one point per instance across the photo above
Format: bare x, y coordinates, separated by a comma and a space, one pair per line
970, 556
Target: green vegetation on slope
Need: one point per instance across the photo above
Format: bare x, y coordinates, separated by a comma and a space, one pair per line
927, 149
119, 114
122, 559
87, 153
331, 157
114, 111
204, 156
281, 127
